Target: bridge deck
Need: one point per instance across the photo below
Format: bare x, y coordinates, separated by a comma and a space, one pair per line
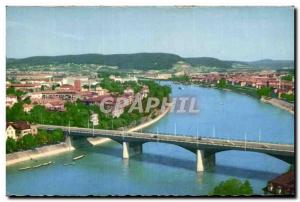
282, 149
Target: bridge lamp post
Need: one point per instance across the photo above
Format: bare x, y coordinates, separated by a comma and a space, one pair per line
197, 136
214, 131
175, 129
69, 127
245, 141
93, 129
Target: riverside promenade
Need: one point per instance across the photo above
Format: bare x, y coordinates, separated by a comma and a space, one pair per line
50, 150
101, 140
279, 103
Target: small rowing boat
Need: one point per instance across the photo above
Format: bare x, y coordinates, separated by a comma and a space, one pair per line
78, 157
37, 166
69, 164
43, 164
48, 163
24, 168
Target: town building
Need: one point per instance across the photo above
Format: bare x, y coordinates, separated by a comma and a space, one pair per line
122, 80
18, 129
28, 107
11, 100
77, 85
282, 185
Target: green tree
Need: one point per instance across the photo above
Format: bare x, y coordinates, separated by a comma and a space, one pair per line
288, 97
15, 113
43, 87
288, 77
27, 100
28, 142
233, 187
183, 78
11, 145
264, 91
13, 91
222, 83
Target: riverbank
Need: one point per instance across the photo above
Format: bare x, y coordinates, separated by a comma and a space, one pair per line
50, 150
248, 91
150, 122
279, 103
101, 140
36, 153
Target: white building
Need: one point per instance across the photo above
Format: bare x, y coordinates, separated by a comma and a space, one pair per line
11, 100
11, 132
122, 80
94, 119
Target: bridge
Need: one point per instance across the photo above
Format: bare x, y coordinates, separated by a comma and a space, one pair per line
204, 148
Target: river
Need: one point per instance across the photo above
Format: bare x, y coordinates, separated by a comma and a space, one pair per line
165, 169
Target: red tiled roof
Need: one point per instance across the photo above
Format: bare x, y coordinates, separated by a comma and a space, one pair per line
286, 179
19, 125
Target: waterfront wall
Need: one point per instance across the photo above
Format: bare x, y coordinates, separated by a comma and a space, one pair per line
36, 153
45, 151
148, 123
101, 140
97, 140
279, 103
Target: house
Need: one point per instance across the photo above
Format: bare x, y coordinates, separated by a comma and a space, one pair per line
26, 87
100, 91
122, 80
66, 87
55, 106
129, 91
10, 132
28, 107
18, 129
11, 100
283, 184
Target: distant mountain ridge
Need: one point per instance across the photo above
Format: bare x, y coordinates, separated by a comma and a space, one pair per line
144, 61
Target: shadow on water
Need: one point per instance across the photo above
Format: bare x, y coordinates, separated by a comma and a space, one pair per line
165, 160
243, 172
116, 151
188, 164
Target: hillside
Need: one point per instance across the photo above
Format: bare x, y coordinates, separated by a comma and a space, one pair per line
209, 62
124, 61
273, 64
147, 61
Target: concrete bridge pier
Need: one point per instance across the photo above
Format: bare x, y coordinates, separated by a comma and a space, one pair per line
204, 160
68, 140
130, 149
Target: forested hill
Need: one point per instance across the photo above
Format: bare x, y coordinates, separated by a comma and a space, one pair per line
209, 62
214, 62
146, 61
125, 61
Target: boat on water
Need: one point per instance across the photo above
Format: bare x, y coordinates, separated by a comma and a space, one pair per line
180, 88
48, 163
24, 168
43, 164
69, 164
37, 166
78, 157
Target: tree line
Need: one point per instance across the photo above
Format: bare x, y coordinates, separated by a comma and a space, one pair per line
30, 141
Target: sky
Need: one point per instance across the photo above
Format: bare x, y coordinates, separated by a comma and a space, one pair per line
228, 33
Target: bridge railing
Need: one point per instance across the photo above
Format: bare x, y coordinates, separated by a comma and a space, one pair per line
159, 134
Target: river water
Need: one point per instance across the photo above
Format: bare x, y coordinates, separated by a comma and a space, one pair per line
165, 169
